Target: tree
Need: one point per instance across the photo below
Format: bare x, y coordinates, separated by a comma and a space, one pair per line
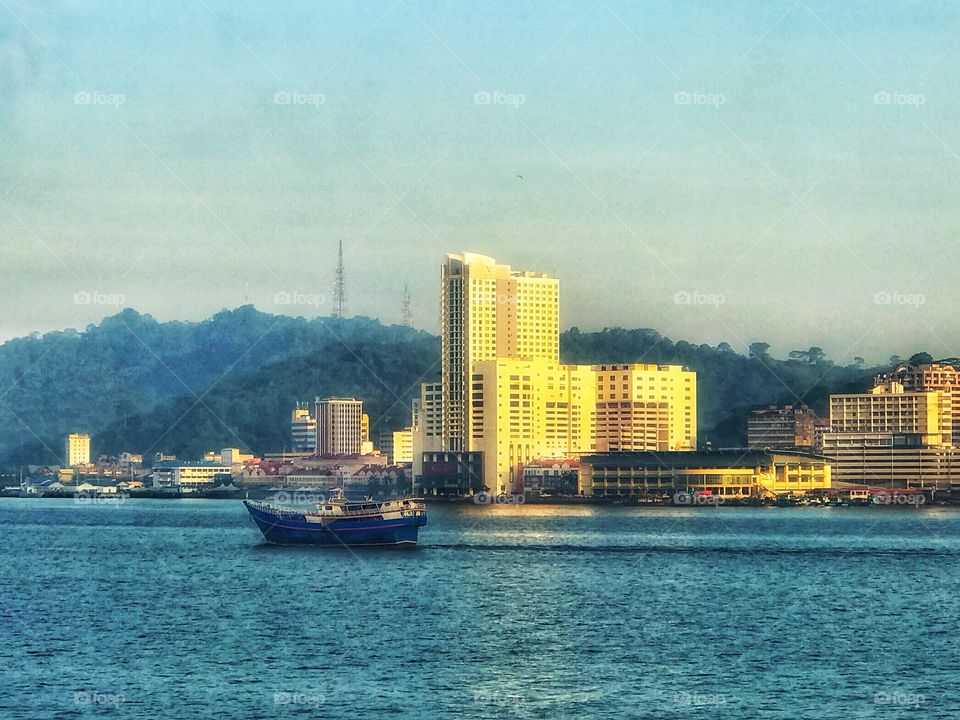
799, 355
759, 350
724, 347
895, 360
921, 358
859, 362
816, 355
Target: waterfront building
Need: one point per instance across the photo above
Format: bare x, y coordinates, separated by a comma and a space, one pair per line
489, 311
522, 410
939, 377
198, 475
893, 437
303, 429
77, 450
547, 476
781, 428
727, 474
340, 426
645, 407
426, 418
450, 473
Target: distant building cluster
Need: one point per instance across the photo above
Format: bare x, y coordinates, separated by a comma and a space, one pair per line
507, 417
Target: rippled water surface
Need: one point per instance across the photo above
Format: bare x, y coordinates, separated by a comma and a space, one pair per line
177, 609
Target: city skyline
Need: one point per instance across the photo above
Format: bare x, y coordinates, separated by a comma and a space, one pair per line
757, 182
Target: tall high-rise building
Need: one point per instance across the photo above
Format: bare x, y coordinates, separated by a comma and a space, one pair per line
645, 407
489, 311
303, 429
77, 450
339, 426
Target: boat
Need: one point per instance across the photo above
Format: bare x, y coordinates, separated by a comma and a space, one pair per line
339, 522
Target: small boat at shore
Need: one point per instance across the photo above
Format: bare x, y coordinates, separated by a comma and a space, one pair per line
339, 522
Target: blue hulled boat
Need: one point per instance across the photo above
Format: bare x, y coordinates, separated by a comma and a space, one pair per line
342, 523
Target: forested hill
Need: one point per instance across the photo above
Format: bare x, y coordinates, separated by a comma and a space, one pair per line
143, 386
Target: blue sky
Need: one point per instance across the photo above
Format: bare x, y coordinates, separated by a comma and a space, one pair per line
777, 171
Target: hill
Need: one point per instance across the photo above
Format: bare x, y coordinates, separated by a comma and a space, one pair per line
140, 385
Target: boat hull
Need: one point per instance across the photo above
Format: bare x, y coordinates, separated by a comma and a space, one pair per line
285, 527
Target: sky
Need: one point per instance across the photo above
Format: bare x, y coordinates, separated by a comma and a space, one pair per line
771, 171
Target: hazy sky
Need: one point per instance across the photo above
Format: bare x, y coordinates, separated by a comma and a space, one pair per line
778, 171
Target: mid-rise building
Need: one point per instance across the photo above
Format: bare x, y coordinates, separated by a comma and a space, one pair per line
892, 437
77, 450
402, 447
645, 407
303, 429
522, 410
489, 311
938, 377
339, 426
426, 420
781, 428
888, 408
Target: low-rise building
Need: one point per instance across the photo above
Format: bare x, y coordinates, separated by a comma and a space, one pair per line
551, 477
730, 474
190, 475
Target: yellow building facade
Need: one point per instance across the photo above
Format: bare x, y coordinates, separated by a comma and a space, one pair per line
490, 311
522, 410
645, 407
